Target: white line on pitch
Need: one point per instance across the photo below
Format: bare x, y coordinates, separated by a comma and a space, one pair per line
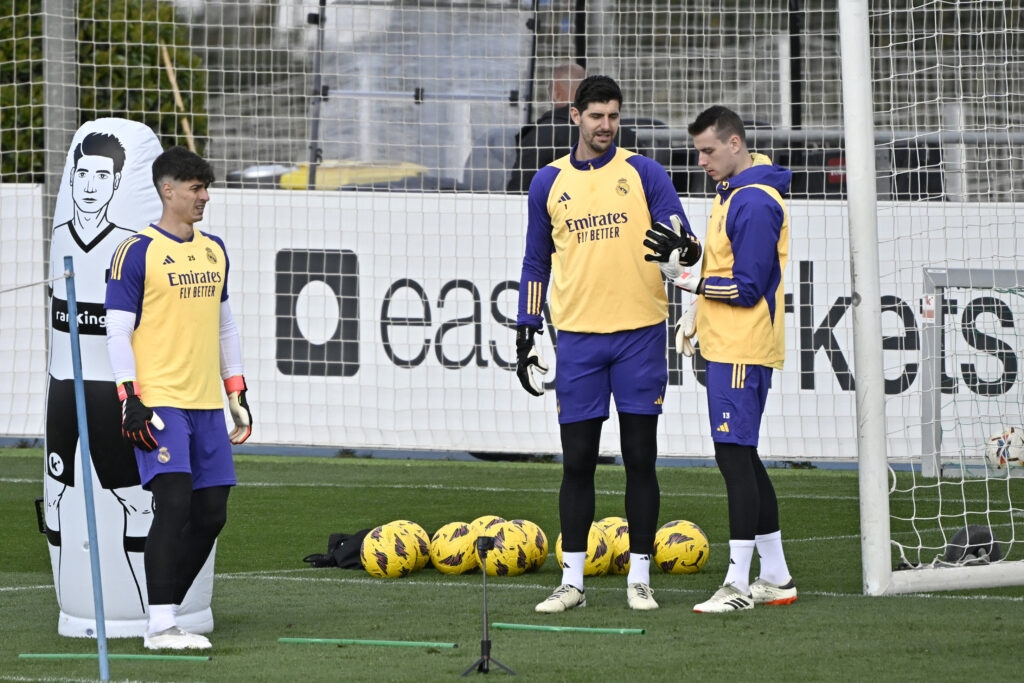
513, 489
65, 679
492, 489
277, 576
14, 589
446, 487
506, 489
284, 575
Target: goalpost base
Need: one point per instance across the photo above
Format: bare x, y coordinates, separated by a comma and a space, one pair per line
928, 579
958, 470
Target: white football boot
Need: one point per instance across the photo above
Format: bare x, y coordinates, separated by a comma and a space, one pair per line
564, 598
640, 596
725, 599
174, 638
767, 593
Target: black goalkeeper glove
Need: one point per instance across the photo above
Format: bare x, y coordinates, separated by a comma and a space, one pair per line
663, 240
136, 417
528, 362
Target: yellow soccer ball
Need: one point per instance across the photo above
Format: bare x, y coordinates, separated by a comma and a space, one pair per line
453, 549
508, 557
537, 550
388, 552
680, 547
482, 525
421, 541
599, 554
617, 530
608, 522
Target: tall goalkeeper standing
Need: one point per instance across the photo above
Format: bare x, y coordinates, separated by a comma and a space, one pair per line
171, 339
739, 318
587, 214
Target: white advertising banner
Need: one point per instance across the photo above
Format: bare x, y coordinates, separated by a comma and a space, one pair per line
386, 320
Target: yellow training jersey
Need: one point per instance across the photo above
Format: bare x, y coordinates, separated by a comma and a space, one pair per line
587, 222
175, 290
741, 316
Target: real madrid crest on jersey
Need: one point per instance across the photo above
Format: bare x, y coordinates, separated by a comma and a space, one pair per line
210, 256
622, 187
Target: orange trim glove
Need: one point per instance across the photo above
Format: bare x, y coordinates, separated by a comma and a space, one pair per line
136, 417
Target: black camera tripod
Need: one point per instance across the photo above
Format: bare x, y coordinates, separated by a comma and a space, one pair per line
483, 664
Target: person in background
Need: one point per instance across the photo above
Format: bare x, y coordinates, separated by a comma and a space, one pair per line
554, 133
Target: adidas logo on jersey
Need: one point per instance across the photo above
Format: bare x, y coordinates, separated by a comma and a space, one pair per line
724, 427
564, 198
168, 260
660, 401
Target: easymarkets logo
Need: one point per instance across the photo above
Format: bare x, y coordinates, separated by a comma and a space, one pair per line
296, 269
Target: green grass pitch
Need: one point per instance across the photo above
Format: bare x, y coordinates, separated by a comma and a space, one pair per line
286, 507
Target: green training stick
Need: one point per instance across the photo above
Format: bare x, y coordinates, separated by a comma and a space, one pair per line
356, 641
573, 629
186, 658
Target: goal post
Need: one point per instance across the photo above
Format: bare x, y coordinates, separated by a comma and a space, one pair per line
867, 314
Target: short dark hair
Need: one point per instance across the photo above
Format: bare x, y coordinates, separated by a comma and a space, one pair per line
596, 89
726, 122
101, 145
181, 164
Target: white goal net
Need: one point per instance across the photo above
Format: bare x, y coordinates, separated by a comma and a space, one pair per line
972, 460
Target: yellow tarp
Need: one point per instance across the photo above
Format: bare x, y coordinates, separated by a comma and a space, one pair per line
330, 175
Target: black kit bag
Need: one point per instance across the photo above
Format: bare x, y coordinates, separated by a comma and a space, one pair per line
342, 551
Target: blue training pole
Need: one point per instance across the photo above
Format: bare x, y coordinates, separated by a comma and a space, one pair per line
83, 437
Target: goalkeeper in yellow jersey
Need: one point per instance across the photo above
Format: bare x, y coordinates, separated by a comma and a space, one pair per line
738, 317
588, 212
171, 340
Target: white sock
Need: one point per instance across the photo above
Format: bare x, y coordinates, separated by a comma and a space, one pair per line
572, 568
161, 618
738, 575
773, 560
639, 569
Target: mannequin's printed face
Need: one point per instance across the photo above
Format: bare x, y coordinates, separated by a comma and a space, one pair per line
93, 183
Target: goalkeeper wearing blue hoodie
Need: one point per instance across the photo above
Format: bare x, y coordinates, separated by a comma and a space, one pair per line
738, 317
